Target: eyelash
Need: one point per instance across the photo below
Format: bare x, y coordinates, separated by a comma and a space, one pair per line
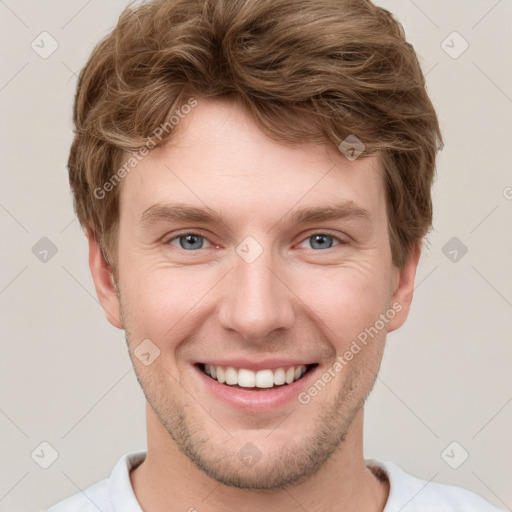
336, 238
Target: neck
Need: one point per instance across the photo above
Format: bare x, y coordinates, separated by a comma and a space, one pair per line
167, 480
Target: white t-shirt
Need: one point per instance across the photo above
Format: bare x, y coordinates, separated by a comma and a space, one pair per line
406, 494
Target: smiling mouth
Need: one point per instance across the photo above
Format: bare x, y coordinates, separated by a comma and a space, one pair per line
249, 380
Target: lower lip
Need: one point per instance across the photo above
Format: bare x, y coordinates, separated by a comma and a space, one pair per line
257, 401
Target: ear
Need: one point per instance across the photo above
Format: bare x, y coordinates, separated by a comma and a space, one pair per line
403, 287
104, 281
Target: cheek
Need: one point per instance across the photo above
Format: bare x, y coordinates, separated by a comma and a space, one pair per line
160, 301
345, 300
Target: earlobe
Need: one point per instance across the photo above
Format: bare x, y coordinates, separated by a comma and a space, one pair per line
103, 281
404, 289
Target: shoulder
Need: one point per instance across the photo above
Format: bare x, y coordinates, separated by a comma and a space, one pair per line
92, 499
113, 494
412, 494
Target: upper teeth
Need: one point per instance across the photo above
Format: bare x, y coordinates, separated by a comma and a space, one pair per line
260, 379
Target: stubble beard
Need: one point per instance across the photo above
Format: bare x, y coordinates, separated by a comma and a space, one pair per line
280, 468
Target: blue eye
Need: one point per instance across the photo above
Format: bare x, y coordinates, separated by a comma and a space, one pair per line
321, 241
189, 241
194, 242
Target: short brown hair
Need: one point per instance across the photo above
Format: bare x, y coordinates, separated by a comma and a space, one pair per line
307, 70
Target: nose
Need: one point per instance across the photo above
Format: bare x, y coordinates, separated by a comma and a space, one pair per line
256, 301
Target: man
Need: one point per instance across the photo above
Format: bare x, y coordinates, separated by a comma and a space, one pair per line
254, 178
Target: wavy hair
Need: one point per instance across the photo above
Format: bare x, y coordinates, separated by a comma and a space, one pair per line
307, 70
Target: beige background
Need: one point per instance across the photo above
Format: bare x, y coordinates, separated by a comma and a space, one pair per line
65, 375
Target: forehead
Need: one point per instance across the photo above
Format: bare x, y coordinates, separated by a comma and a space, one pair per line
217, 157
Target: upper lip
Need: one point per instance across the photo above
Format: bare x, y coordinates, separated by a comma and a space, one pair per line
252, 364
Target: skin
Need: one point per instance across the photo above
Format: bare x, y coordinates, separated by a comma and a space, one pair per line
295, 300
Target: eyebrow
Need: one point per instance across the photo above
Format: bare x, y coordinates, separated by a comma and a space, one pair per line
177, 212
348, 210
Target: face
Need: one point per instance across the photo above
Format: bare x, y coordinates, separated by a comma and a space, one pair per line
261, 261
